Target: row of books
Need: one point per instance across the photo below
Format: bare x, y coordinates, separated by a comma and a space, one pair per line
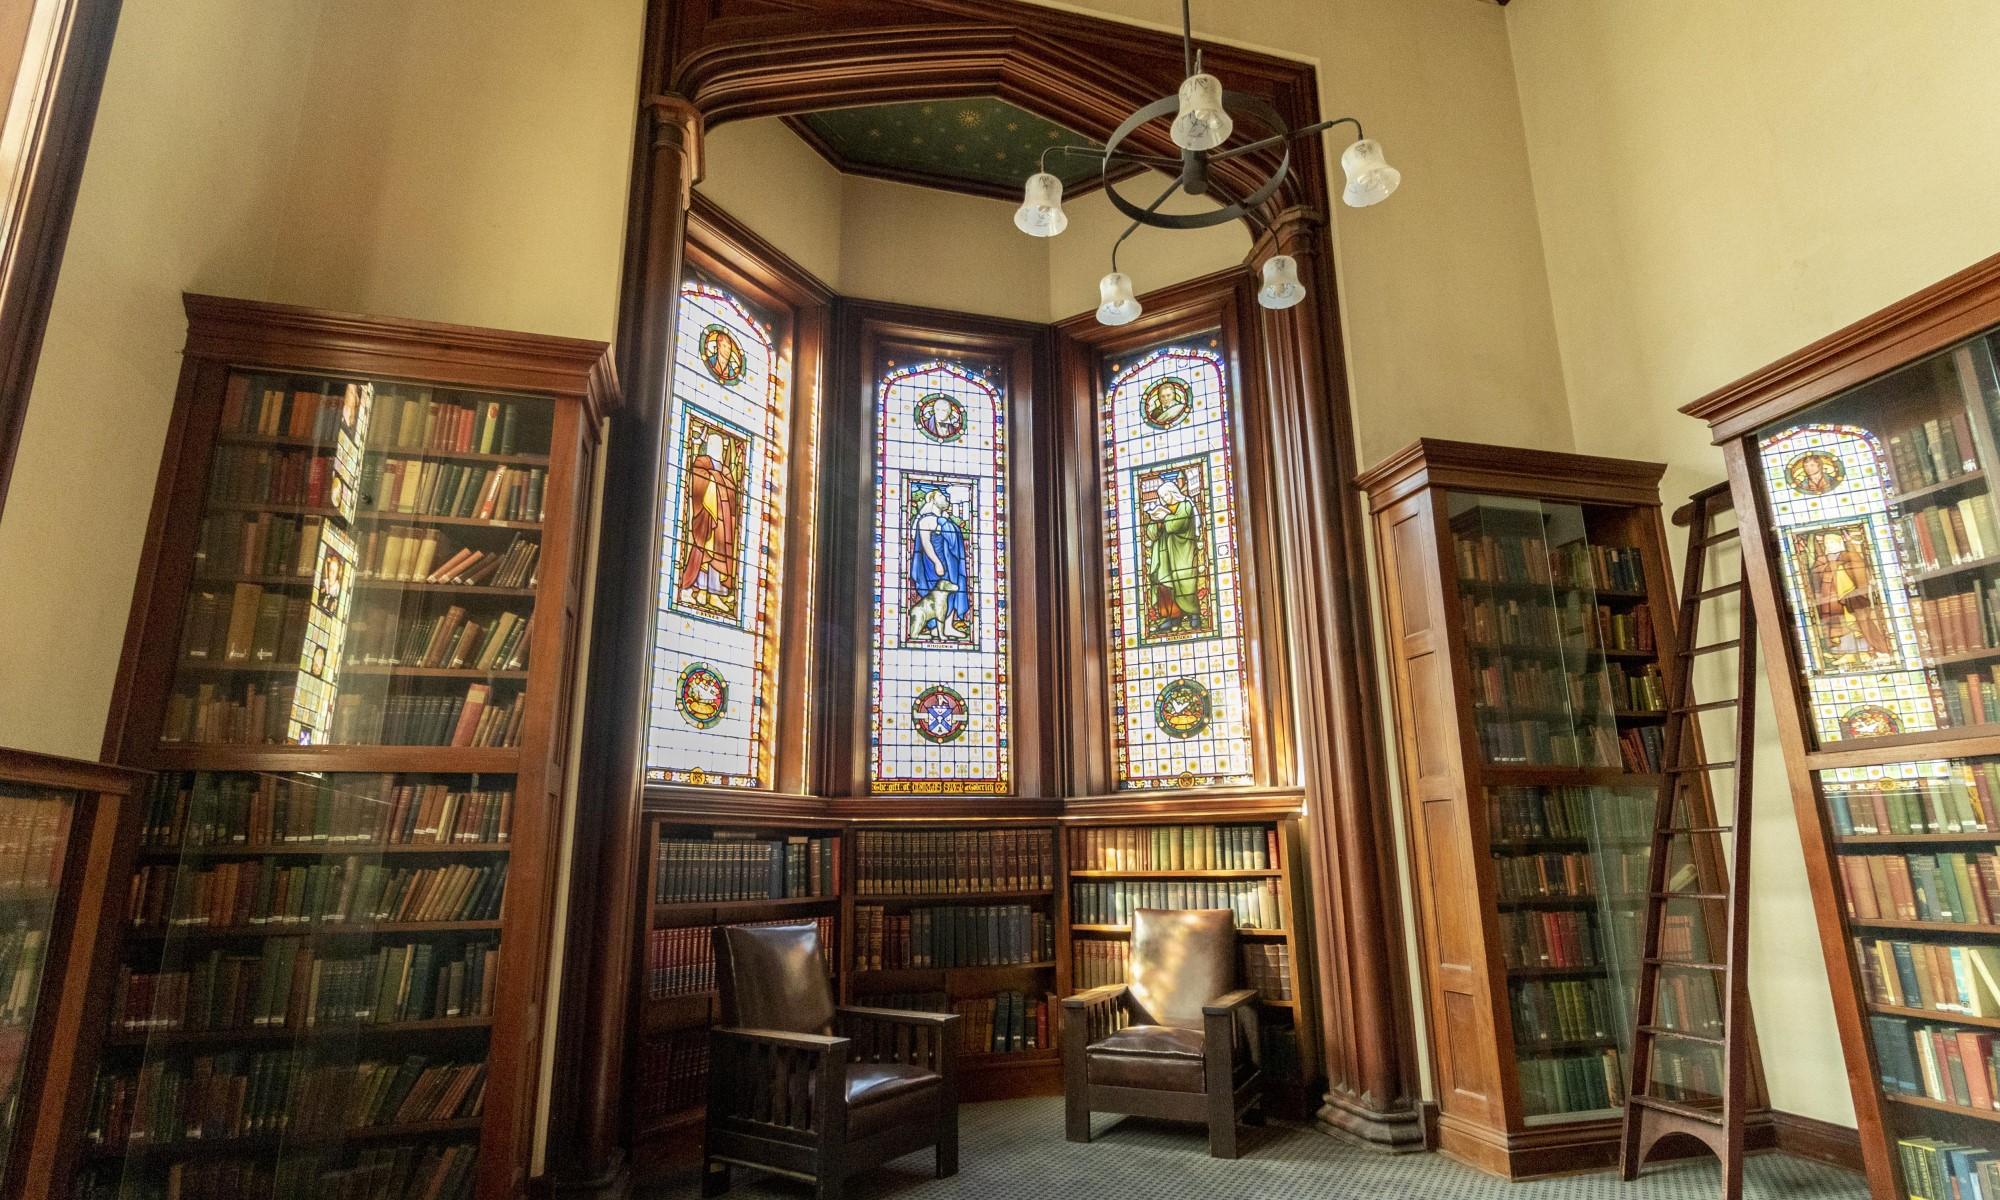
253, 811
1687, 1072
1547, 743
1954, 887
1492, 558
382, 635
279, 891
1688, 1001
1641, 748
457, 425
289, 983
1510, 684
1612, 873
23, 951
681, 962
256, 544
1267, 966
433, 1171
960, 935
1563, 1010
34, 835
1567, 1083
1496, 559
1606, 568
937, 862
1640, 690
1096, 962
249, 713
1935, 1169
1971, 699
263, 407
1939, 1062
1932, 451
1003, 1023
1254, 901
1175, 848
417, 554
429, 488
1944, 535
249, 625
671, 1075
1626, 628
1965, 800
487, 715
1602, 813
1511, 622
725, 868
272, 475
1945, 978
236, 1094
1567, 939
1963, 621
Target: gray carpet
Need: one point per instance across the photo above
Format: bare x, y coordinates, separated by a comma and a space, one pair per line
1015, 1148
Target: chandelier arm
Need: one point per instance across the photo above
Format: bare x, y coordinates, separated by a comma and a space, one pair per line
1187, 39
1266, 143
1150, 160
1158, 200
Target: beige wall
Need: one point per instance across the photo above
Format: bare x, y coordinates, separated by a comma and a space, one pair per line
1719, 184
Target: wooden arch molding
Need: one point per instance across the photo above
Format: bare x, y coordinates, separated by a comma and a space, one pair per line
707, 62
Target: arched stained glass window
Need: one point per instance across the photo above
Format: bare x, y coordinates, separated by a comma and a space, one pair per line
1179, 680
716, 645
938, 683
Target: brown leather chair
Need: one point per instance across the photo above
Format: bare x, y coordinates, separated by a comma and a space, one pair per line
799, 1087
1174, 1042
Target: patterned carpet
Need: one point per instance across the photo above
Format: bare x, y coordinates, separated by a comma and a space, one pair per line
1015, 1149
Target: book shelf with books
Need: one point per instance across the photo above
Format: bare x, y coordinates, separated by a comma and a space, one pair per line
1246, 863
350, 665
1874, 567
962, 917
1530, 626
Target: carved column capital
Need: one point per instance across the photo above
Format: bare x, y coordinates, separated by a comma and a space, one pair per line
677, 139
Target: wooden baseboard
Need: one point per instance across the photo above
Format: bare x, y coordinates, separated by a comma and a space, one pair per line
1821, 1141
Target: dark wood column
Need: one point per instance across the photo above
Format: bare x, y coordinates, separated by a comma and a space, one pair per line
586, 1118
1357, 921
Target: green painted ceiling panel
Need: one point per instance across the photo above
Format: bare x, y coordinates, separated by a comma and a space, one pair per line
982, 142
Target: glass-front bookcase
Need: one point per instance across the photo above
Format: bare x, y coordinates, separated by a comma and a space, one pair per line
353, 685
1877, 560
1531, 624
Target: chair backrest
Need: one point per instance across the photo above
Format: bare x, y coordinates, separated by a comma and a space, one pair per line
1182, 958
772, 977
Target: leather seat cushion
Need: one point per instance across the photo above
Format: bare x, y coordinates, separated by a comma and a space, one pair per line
1161, 1058
883, 1095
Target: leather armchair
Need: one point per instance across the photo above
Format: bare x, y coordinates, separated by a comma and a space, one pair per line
1175, 1041
800, 1087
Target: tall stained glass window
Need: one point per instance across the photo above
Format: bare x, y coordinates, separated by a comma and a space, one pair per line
716, 644
1173, 586
938, 686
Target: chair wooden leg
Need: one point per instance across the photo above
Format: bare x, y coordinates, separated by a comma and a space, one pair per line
714, 1178
1076, 1118
1222, 1135
829, 1186
947, 1146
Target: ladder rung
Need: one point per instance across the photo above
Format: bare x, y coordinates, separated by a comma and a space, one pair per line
1727, 535
1724, 765
1688, 964
1708, 1116
1711, 705
1690, 895
1670, 831
1711, 648
1679, 1035
1723, 590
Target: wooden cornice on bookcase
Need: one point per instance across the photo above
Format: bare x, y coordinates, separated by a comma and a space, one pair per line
251, 333
1514, 470
1948, 311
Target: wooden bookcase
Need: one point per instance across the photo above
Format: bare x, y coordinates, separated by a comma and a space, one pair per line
318, 900
1856, 466
1530, 623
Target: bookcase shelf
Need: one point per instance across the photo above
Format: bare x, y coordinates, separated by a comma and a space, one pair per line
724, 912
1532, 615
1246, 874
319, 415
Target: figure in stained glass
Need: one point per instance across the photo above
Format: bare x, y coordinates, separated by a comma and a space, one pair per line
941, 417
722, 354
940, 597
1815, 473
708, 578
1167, 402
1175, 533
1846, 612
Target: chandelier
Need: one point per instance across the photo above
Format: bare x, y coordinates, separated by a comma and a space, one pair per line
1204, 116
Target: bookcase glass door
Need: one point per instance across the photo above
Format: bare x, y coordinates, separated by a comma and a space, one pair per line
35, 829
366, 567
307, 989
1568, 705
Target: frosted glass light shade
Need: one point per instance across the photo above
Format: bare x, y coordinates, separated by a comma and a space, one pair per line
1202, 123
1282, 288
1370, 178
1041, 213
1116, 303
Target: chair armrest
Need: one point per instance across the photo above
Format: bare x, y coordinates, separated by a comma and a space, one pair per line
1096, 996
764, 1077
811, 1042
896, 1016
1229, 1003
917, 1039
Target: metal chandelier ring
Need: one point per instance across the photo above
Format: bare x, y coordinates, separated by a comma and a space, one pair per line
1234, 102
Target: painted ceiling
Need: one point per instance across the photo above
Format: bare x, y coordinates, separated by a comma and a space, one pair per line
980, 145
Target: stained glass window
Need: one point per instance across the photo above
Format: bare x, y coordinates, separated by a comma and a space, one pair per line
1180, 695
716, 645
938, 682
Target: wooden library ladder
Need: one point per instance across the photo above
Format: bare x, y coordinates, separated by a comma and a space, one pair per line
1715, 1121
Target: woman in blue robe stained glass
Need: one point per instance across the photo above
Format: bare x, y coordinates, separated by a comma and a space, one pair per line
942, 611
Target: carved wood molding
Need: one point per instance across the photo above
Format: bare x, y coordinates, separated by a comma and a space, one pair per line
1514, 470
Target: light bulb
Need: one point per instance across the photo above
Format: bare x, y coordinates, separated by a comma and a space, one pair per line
1282, 288
1116, 303
1370, 179
1202, 123
1041, 213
